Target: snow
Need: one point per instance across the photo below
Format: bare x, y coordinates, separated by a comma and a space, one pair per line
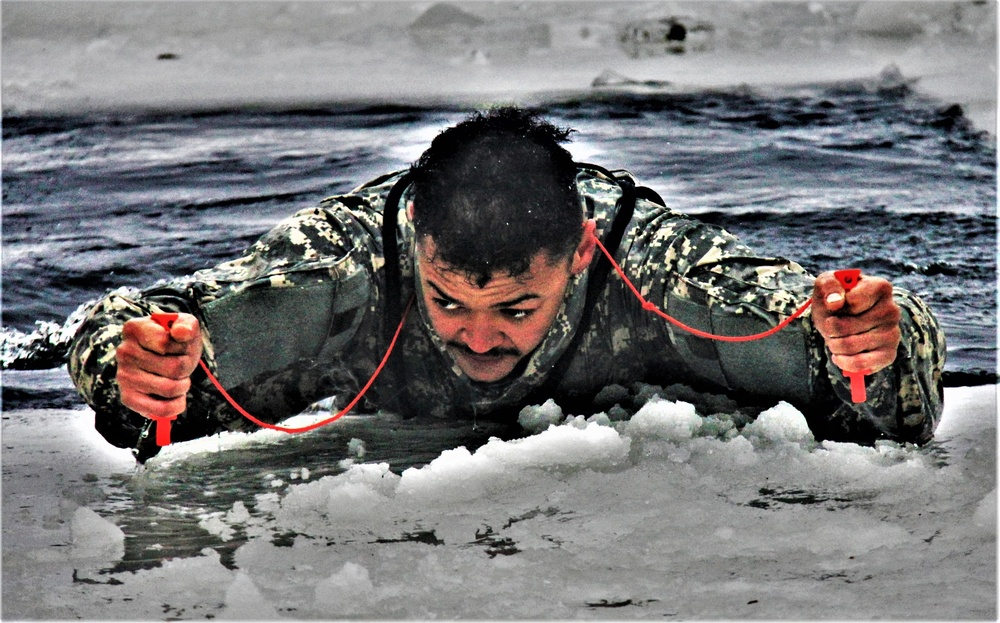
676, 421
95, 537
105, 56
244, 602
668, 514
783, 422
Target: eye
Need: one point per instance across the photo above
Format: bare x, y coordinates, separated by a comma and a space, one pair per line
517, 314
446, 304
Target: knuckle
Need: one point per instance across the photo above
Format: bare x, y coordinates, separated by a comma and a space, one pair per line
131, 328
176, 388
176, 368
126, 352
895, 314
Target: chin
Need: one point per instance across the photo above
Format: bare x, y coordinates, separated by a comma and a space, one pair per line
488, 378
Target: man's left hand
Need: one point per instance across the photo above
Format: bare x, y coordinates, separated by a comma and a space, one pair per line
860, 326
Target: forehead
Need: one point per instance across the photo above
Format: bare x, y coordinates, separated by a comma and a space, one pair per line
543, 277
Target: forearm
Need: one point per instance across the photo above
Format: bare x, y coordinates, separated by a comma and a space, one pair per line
904, 401
714, 283
301, 270
93, 364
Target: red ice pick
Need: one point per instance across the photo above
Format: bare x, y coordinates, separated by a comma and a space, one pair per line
849, 278
163, 421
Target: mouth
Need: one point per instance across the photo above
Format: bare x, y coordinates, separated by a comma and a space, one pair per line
492, 365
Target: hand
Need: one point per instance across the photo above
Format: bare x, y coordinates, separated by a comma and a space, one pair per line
860, 326
155, 365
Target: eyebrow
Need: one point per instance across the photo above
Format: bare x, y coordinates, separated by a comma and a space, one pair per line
501, 305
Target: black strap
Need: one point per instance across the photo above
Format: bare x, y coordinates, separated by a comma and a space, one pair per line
390, 251
641, 192
625, 208
393, 289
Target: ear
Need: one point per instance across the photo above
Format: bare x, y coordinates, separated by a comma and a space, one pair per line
585, 250
409, 210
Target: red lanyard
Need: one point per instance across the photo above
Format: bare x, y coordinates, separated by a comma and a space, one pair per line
163, 422
848, 279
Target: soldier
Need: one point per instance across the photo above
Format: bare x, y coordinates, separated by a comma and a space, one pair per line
492, 234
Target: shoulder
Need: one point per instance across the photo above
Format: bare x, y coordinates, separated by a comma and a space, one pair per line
338, 226
608, 193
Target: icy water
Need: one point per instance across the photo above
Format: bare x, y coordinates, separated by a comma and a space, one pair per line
850, 175
859, 174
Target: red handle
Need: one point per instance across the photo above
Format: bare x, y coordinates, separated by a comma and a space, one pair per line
163, 428
849, 278
165, 320
858, 391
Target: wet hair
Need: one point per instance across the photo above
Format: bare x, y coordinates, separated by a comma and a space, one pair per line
496, 190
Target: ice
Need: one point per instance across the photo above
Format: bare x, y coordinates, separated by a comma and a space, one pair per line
348, 499
654, 517
94, 537
536, 418
458, 474
214, 524
783, 422
986, 511
244, 602
663, 419
356, 447
347, 592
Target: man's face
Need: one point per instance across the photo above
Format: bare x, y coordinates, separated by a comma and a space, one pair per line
489, 329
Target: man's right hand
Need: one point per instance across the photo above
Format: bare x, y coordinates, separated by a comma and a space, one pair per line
155, 365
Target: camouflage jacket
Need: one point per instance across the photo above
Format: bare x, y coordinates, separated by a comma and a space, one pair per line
300, 317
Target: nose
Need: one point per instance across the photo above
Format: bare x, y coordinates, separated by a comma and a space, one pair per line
480, 334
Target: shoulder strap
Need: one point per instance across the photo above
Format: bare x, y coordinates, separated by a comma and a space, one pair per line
624, 209
393, 285
390, 251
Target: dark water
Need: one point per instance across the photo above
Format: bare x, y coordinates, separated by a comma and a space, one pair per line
830, 176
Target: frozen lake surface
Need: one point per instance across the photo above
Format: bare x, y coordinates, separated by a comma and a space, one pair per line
668, 515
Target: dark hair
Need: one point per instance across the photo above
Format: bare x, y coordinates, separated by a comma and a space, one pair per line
494, 191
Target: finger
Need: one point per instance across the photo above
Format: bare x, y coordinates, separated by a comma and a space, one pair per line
185, 329
130, 355
184, 336
150, 336
828, 294
150, 406
880, 339
868, 362
869, 293
150, 394
883, 317
135, 380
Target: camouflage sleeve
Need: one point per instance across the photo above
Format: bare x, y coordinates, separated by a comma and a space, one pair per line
905, 401
708, 279
92, 365
316, 252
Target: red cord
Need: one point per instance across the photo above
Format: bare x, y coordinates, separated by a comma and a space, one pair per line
722, 338
392, 344
343, 412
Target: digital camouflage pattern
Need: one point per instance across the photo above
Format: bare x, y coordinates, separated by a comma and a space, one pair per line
300, 317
